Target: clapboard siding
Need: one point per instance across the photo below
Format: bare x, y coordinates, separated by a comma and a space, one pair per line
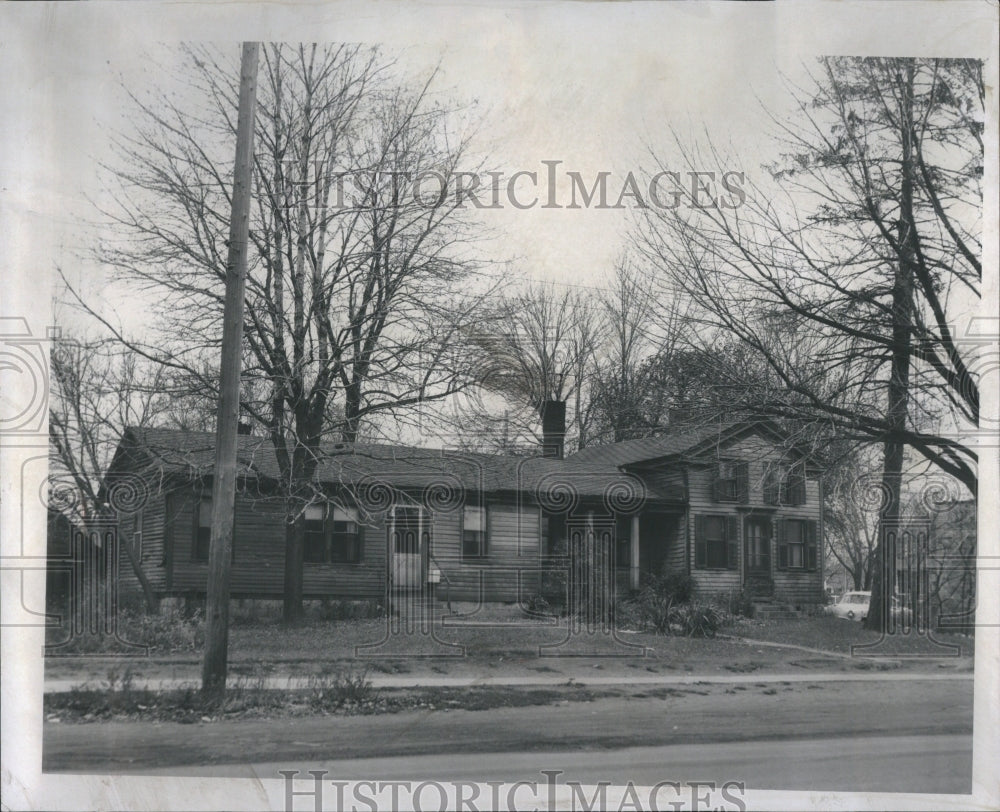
144, 530
676, 560
510, 572
757, 452
258, 565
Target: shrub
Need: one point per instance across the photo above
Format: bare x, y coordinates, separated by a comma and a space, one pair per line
737, 603
655, 605
330, 609
168, 631
554, 576
537, 605
694, 620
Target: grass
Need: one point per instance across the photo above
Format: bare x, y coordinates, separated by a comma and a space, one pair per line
841, 636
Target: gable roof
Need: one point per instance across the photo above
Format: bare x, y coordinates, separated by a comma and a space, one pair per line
156, 452
687, 441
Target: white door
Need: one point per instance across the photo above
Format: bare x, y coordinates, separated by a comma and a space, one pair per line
407, 541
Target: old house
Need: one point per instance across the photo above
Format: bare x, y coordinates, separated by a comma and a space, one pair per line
727, 504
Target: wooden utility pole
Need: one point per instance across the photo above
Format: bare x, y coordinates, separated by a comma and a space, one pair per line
215, 663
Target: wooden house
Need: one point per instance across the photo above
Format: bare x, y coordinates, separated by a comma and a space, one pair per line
726, 504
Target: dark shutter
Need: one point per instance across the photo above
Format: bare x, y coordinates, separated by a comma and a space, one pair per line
779, 535
796, 486
700, 550
360, 556
743, 482
717, 486
810, 540
169, 507
732, 542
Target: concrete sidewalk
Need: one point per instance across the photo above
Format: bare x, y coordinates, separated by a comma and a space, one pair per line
290, 682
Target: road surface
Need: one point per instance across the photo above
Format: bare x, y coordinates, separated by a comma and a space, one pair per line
926, 764
878, 734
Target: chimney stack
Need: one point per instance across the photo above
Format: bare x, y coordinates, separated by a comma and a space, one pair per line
553, 428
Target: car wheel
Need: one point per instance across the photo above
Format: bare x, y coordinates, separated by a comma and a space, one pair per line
850, 614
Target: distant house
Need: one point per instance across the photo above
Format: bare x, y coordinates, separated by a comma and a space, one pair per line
936, 563
725, 504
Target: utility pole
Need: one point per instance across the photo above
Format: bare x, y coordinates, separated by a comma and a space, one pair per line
215, 663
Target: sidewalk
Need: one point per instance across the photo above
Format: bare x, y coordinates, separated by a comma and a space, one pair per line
434, 681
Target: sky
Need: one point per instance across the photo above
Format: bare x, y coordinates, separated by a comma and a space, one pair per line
593, 86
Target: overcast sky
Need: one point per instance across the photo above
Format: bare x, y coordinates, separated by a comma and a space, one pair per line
591, 85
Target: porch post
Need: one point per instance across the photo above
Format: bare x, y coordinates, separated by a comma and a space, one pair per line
634, 552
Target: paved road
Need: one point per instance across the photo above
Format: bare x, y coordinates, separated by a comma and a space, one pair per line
925, 764
750, 713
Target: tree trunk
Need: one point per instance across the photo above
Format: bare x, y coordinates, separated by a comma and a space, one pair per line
884, 577
352, 410
151, 601
295, 536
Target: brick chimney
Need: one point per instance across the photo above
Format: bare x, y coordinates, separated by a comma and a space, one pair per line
553, 428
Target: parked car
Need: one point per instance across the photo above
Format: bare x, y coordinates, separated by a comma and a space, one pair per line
854, 606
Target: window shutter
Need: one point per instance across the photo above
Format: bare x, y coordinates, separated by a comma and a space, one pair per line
717, 495
811, 545
700, 550
360, 555
732, 542
779, 535
796, 486
743, 482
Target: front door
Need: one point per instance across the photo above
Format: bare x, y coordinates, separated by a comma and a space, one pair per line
409, 532
757, 547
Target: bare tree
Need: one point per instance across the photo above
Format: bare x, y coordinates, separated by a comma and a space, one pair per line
539, 345
356, 248
97, 391
868, 244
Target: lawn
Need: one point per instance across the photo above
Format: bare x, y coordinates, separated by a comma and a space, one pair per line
504, 643
849, 637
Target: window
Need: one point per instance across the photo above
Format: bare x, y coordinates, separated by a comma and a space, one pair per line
474, 536
332, 535
785, 485
716, 542
315, 535
202, 530
730, 482
797, 544
345, 537
202, 536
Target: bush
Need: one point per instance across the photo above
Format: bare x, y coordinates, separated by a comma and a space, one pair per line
171, 630
695, 620
537, 605
330, 609
655, 604
554, 576
737, 603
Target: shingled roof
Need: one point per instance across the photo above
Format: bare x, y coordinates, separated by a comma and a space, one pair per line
679, 442
164, 452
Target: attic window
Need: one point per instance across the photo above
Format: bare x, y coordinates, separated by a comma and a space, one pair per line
785, 485
730, 483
